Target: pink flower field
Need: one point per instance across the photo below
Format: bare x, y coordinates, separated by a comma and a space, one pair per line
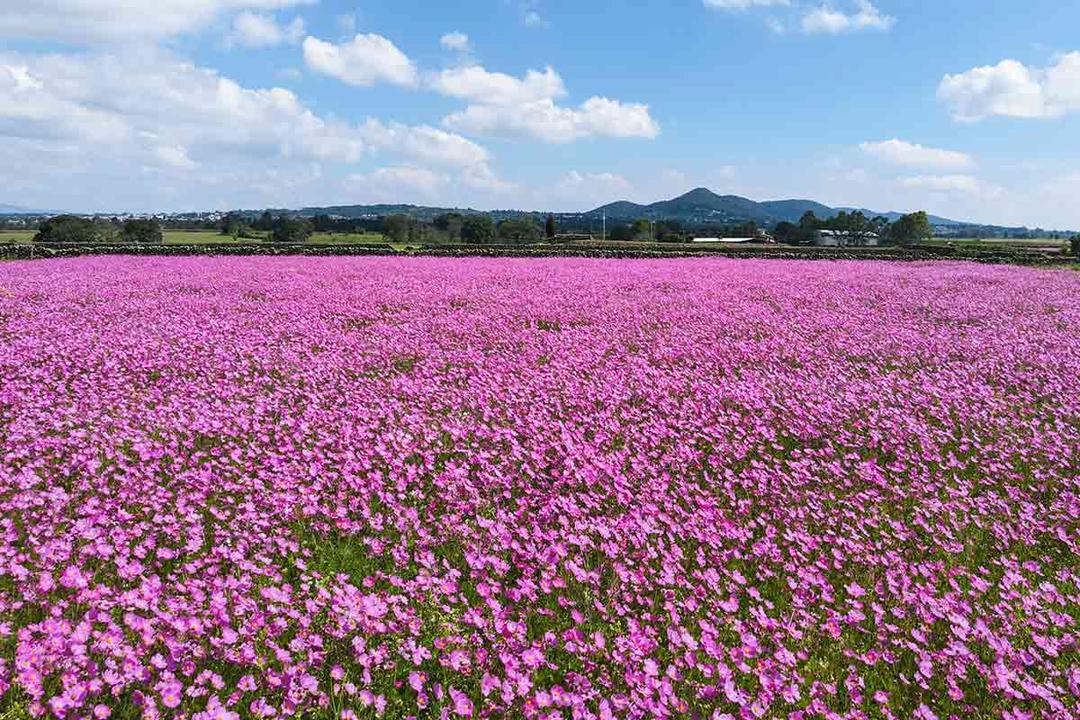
433, 488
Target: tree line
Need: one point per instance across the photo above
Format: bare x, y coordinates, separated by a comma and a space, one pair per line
475, 229
856, 229
80, 230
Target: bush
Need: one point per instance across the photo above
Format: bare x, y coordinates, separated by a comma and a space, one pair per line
519, 230
68, 229
142, 232
290, 230
477, 229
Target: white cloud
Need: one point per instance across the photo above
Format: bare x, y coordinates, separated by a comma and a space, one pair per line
365, 60
263, 30
967, 184
544, 120
828, 19
481, 177
506, 106
148, 108
83, 21
899, 152
398, 184
456, 41
743, 4
574, 183
425, 143
534, 19
1011, 89
576, 191
410, 183
175, 156
475, 84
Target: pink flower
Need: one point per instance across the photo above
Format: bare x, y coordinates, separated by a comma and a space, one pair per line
171, 694
463, 707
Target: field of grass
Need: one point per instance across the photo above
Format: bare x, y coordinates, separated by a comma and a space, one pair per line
1022, 243
16, 236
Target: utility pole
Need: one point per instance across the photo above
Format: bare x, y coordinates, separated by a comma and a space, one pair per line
603, 235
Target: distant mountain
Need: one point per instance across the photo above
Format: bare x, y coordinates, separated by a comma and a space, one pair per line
19, 210
894, 216
702, 206
697, 208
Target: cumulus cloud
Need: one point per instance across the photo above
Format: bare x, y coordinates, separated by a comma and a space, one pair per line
957, 183
150, 108
900, 152
544, 120
365, 60
525, 107
110, 20
828, 19
398, 183
263, 30
410, 183
475, 84
743, 4
498, 104
456, 41
1012, 89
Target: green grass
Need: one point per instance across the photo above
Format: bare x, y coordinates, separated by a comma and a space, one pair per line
999, 242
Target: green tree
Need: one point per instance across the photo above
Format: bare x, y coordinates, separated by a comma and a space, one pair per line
451, 224
550, 230
787, 233
396, 227
519, 230
322, 223
809, 221
68, 229
265, 223
1074, 244
641, 230
667, 231
290, 230
234, 225
142, 232
911, 229
478, 229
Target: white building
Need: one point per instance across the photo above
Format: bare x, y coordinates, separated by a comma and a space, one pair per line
761, 237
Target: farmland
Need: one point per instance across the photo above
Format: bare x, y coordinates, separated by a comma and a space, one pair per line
424, 487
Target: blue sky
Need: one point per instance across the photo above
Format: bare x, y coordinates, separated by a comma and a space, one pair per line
967, 109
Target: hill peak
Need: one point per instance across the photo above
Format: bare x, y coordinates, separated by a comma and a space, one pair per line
698, 194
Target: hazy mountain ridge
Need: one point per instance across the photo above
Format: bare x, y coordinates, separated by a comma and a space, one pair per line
697, 207
19, 210
704, 206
